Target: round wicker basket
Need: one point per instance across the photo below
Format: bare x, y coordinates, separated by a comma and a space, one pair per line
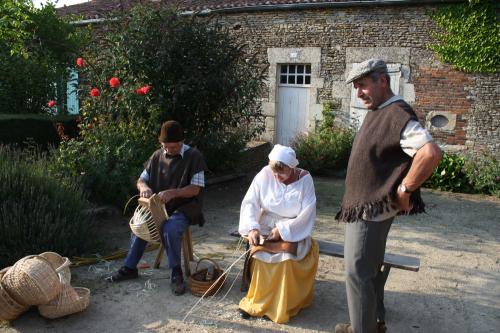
202, 283
32, 281
143, 225
9, 308
69, 301
59, 263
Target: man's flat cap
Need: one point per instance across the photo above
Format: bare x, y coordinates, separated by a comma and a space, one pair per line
367, 67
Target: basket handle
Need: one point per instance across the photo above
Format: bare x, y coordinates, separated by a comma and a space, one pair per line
207, 259
65, 264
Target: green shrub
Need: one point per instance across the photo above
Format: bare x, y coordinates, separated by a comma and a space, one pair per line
483, 173
468, 173
449, 175
326, 150
39, 212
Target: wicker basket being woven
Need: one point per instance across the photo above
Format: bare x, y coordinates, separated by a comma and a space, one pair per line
32, 281
201, 282
9, 308
69, 301
148, 219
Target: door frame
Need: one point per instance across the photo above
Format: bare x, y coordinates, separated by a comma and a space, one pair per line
300, 55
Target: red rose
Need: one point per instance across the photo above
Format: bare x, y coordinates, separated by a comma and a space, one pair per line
80, 62
51, 103
114, 82
94, 92
143, 90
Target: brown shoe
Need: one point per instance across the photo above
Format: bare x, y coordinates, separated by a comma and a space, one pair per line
343, 328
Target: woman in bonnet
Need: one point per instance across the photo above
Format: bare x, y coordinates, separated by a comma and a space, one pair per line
280, 208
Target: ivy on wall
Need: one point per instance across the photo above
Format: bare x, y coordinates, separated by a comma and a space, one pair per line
470, 36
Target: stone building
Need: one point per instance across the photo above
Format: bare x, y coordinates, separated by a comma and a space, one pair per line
309, 47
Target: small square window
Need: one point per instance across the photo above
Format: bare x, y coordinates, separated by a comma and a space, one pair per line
291, 69
282, 78
283, 69
308, 69
291, 79
300, 79
300, 69
308, 79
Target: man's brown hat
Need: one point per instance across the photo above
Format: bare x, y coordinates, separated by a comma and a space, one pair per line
171, 131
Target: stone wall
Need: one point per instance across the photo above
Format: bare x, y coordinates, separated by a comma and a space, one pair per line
468, 103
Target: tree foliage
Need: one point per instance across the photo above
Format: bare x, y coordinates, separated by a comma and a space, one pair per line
36, 49
153, 65
471, 35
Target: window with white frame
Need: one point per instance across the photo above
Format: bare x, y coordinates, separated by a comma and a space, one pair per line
295, 74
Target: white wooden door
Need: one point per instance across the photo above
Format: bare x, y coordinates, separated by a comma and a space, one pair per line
293, 104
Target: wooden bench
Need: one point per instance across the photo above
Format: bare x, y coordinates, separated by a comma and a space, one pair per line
390, 260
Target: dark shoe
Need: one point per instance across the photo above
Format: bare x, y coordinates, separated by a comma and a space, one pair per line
343, 328
244, 315
177, 285
347, 328
124, 273
381, 328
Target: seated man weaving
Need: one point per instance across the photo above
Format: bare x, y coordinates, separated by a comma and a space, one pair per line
279, 206
176, 173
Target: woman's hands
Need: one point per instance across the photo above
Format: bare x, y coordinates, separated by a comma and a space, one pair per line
274, 235
254, 237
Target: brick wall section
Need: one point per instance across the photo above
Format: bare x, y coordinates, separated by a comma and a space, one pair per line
444, 90
473, 98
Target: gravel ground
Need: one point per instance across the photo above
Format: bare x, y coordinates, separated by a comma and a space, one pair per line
456, 290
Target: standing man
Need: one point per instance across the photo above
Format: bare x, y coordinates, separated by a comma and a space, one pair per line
392, 155
177, 173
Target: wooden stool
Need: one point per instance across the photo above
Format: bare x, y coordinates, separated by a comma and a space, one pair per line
187, 252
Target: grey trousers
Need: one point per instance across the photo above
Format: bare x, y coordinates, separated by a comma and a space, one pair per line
364, 250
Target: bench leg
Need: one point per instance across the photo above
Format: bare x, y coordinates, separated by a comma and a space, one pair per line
187, 250
159, 256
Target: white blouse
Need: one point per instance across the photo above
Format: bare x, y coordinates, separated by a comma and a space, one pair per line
291, 208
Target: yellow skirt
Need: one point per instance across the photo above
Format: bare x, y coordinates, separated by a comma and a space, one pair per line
280, 290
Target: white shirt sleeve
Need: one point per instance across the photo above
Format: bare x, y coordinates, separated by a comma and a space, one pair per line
414, 137
297, 229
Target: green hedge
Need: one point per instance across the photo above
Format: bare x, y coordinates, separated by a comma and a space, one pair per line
39, 129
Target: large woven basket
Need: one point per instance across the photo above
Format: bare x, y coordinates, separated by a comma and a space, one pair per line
148, 219
32, 281
200, 283
70, 300
9, 308
60, 264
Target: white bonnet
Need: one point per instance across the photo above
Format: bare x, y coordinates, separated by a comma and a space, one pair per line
284, 154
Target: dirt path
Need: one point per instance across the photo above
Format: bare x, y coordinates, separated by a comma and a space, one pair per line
457, 289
